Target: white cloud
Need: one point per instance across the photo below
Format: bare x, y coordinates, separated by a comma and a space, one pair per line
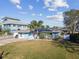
22, 12
51, 9
40, 14
33, 14
52, 5
17, 3
18, 6
57, 17
37, 0
30, 7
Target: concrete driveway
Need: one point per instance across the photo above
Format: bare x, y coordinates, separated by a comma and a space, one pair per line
6, 41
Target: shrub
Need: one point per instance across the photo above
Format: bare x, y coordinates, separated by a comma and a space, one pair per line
41, 35
74, 37
5, 31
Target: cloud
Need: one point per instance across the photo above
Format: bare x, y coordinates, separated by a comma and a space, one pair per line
57, 17
18, 6
33, 14
22, 12
37, 0
30, 7
40, 14
52, 9
17, 3
52, 5
61, 3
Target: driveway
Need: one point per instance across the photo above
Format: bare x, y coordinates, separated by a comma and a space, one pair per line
6, 41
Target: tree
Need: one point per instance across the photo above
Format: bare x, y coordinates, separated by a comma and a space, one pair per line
40, 24
47, 27
70, 19
35, 25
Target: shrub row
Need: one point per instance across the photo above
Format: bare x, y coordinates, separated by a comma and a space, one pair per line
74, 37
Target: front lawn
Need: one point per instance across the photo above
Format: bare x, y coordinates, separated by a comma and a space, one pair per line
36, 50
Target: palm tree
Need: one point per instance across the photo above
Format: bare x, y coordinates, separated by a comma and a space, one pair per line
35, 25
47, 27
40, 24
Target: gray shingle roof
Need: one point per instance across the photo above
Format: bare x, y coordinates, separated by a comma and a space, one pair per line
12, 21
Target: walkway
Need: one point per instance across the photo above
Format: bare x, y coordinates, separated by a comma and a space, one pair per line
6, 41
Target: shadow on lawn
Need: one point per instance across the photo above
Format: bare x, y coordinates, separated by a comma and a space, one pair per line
2, 54
69, 46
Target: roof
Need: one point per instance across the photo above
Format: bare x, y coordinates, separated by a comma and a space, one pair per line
21, 31
7, 20
43, 30
10, 18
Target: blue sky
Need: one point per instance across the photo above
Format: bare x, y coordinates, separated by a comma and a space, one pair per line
49, 11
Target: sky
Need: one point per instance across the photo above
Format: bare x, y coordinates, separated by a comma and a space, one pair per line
49, 11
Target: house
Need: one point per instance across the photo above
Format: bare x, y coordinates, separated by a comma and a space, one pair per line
17, 27
56, 32
13, 24
43, 33
24, 35
50, 33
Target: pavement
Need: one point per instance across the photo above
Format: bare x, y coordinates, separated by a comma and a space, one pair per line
11, 40
6, 41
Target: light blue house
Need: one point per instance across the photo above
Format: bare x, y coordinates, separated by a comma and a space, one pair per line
13, 24
56, 32
17, 27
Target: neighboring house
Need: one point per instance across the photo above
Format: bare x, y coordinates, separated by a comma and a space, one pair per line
13, 24
43, 33
24, 35
51, 33
17, 27
57, 32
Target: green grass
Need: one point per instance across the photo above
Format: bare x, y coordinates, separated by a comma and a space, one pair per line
36, 50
